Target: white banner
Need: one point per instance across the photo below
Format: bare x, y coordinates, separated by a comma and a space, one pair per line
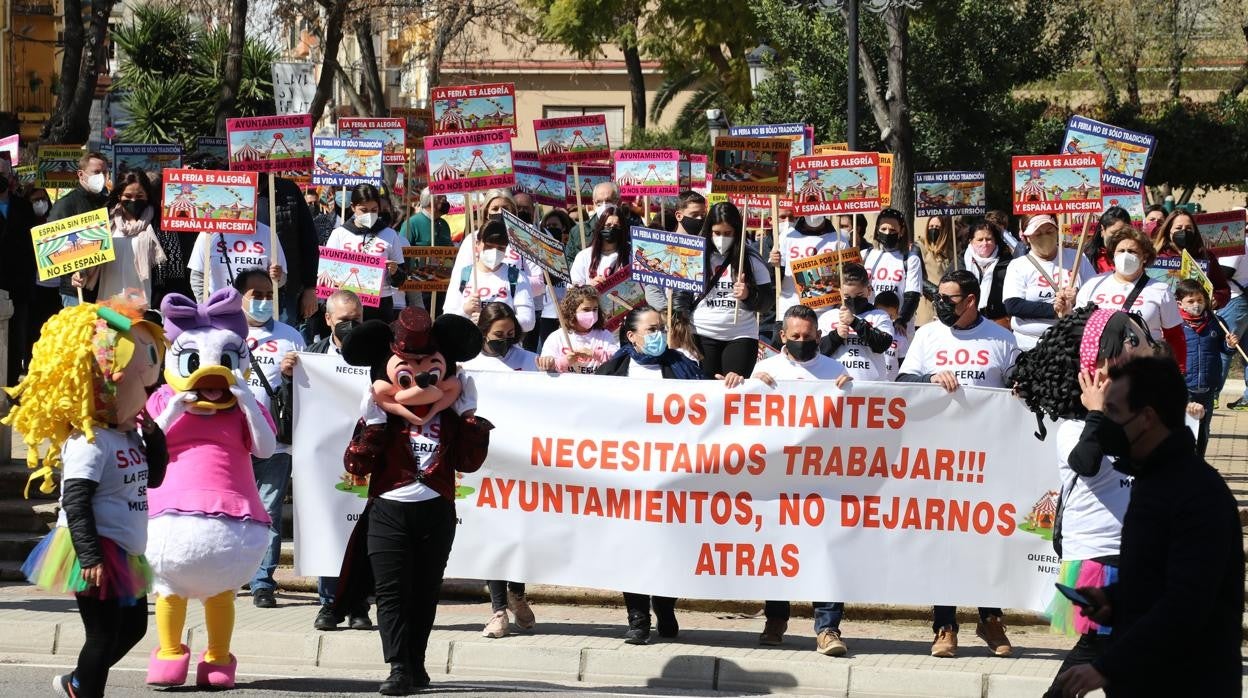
294, 87
886, 493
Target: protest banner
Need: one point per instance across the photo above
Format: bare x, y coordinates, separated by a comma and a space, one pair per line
766, 351
73, 244
1057, 184
572, 139
699, 177
950, 193
800, 137
270, 143
842, 183
547, 187
583, 180
1132, 202
11, 145
788, 493
208, 201
429, 268
818, 277
392, 132
58, 166
1172, 270
212, 153
1125, 155
536, 247
419, 122
466, 162
358, 272
750, 166
668, 260
1222, 232
294, 87
617, 295
475, 108
151, 158
346, 162
26, 174
647, 172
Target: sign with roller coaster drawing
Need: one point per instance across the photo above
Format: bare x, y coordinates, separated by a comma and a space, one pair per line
1057, 184
346, 162
475, 108
340, 270
841, 183
392, 133
208, 201
270, 143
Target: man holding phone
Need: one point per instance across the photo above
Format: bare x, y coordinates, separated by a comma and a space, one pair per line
1176, 607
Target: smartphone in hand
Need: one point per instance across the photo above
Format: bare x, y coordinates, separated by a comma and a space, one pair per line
1075, 597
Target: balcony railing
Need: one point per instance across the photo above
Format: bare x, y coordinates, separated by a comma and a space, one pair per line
38, 100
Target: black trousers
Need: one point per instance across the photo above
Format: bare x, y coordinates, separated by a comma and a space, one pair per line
639, 605
498, 592
408, 544
112, 630
720, 358
1088, 649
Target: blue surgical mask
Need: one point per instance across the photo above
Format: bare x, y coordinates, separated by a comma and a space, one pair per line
655, 344
260, 311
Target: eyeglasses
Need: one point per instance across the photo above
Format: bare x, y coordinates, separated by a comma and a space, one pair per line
945, 298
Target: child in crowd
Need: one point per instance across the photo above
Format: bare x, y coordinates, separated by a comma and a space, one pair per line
590, 344
891, 304
1206, 342
857, 334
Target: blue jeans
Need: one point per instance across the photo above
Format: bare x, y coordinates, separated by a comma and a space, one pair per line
325, 588
272, 479
1235, 315
69, 300
828, 614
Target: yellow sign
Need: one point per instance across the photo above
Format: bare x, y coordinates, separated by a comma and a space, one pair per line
73, 244
58, 166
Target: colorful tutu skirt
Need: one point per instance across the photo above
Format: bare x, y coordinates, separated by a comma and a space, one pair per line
1064, 616
53, 566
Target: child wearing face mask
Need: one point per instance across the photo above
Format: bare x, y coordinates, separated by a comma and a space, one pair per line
501, 350
896, 265
491, 279
591, 344
1206, 341
857, 334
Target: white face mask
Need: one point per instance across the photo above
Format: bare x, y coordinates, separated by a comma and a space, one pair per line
1195, 308
601, 208
815, 221
1127, 263
365, 220
785, 227
722, 242
492, 258
41, 208
94, 183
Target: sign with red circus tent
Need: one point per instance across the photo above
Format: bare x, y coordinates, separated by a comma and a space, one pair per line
466, 162
270, 143
572, 139
208, 201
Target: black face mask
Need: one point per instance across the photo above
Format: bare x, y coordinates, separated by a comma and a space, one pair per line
500, 347
496, 217
857, 304
693, 226
932, 234
1179, 238
344, 328
610, 235
1112, 437
889, 240
385, 219
444, 208
134, 208
803, 350
947, 313
525, 215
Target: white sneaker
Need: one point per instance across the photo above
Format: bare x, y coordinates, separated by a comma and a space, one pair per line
498, 626
518, 604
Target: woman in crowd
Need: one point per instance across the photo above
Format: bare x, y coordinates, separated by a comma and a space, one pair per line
366, 233
939, 248
1028, 294
609, 251
137, 249
644, 354
988, 258
1153, 216
725, 315
1096, 249
896, 265
559, 224
809, 236
1178, 232
1064, 378
496, 202
491, 279
591, 345
1127, 287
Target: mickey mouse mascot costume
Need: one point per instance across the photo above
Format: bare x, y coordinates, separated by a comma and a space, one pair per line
417, 430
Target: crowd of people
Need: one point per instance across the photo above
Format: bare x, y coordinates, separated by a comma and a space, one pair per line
1084, 336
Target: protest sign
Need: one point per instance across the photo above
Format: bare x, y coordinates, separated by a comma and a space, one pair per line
617, 295
358, 272
11, 145
208, 201
800, 137
73, 244
1172, 270
151, 158
429, 268
346, 162
817, 278
699, 178
950, 194
750, 166
766, 351
419, 122
294, 87
526, 158
392, 133
1222, 232
465, 162
536, 247
547, 187
212, 153
647, 172
1125, 155
886, 168
586, 178
668, 260
26, 174
475, 108
842, 183
1057, 184
572, 139
828, 148
1131, 201
58, 166
270, 143
788, 493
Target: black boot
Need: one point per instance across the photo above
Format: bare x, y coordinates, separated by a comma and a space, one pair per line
399, 683
638, 628
665, 616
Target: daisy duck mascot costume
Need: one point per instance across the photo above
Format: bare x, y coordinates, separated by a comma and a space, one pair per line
208, 529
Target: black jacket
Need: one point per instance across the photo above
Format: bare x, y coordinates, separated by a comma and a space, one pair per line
78, 201
295, 231
1178, 603
18, 272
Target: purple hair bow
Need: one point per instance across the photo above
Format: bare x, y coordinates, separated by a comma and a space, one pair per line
224, 310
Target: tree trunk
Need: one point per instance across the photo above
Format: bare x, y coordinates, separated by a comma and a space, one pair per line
901, 134
80, 70
636, 87
335, 12
232, 75
373, 89
1241, 80
1131, 77
1102, 78
353, 95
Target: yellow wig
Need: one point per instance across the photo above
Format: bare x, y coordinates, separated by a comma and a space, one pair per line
68, 385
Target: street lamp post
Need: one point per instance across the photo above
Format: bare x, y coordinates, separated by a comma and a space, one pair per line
851, 63
759, 61
716, 124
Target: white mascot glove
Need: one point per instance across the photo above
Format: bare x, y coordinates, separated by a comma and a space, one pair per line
263, 438
177, 406
466, 404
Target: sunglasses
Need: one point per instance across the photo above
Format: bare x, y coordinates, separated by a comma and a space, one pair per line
951, 300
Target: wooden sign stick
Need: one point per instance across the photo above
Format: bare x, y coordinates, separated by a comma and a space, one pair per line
775, 236
580, 210
273, 244
1074, 263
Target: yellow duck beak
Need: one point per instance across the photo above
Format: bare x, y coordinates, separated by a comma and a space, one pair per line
211, 384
